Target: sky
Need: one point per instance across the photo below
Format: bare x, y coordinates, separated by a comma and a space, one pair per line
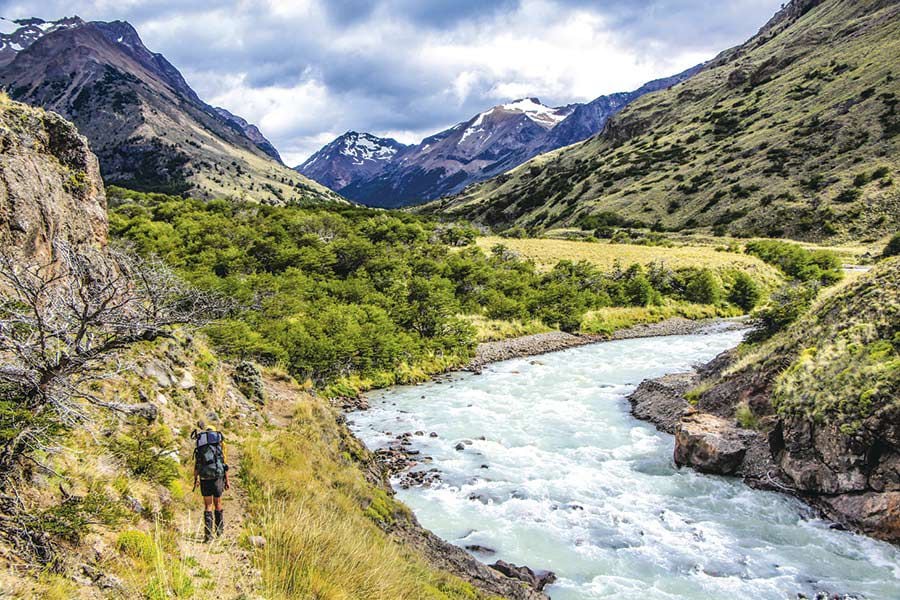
306, 71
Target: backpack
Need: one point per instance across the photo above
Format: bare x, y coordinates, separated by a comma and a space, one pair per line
208, 455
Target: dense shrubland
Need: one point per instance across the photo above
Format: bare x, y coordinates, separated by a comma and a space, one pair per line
349, 295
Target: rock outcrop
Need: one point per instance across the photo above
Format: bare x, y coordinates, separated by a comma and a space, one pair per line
710, 444
50, 186
822, 397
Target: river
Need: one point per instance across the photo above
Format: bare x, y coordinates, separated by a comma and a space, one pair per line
566, 479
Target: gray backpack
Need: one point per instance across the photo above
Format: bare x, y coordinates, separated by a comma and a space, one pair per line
208, 455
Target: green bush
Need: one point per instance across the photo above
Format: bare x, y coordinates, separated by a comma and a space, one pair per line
147, 452
784, 307
702, 287
798, 263
744, 292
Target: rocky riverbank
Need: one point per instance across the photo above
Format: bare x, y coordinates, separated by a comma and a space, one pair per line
542, 343
710, 440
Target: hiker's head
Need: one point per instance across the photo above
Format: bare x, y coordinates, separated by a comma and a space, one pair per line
201, 426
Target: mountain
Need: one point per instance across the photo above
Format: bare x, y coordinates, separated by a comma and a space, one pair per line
488, 144
793, 133
351, 157
149, 129
251, 131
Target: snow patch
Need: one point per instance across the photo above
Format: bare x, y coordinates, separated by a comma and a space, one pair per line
365, 147
537, 112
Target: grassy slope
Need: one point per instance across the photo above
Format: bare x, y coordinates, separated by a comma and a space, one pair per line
841, 361
301, 480
767, 141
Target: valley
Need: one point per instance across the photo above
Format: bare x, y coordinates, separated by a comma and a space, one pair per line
643, 346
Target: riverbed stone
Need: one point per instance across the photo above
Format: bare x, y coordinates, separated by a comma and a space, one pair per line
710, 444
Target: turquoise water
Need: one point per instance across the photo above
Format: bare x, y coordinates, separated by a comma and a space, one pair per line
565, 479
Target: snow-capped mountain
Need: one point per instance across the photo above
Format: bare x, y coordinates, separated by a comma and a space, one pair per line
349, 158
16, 35
147, 126
486, 145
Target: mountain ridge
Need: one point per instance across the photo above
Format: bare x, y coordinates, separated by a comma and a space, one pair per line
149, 128
799, 122
487, 144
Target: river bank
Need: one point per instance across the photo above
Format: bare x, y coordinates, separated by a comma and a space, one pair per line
554, 341
716, 443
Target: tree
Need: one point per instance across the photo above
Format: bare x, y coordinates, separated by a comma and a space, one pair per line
61, 325
703, 287
61, 322
744, 292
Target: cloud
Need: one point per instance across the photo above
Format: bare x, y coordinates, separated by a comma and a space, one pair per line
307, 70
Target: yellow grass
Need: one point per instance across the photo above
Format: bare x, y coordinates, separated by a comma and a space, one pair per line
489, 330
547, 252
323, 522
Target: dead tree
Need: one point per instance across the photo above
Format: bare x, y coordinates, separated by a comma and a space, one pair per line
62, 325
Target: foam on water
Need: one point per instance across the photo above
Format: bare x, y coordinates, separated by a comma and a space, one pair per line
565, 479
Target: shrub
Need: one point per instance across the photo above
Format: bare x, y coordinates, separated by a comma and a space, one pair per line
784, 307
703, 287
745, 416
798, 263
744, 292
147, 452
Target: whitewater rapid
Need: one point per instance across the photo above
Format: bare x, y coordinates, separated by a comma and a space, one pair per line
559, 476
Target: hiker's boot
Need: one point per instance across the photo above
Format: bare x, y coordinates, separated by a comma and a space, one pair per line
207, 526
220, 523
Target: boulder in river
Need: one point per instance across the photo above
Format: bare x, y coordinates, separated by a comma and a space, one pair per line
710, 444
535, 579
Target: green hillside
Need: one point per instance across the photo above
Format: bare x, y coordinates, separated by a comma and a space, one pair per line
792, 134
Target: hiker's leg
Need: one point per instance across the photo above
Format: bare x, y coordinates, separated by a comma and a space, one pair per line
207, 518
217, 499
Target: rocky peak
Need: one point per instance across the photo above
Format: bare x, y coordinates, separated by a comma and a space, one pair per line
16, 35
50, 185
349, 157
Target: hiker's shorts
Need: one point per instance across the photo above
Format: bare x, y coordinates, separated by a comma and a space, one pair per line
212, 487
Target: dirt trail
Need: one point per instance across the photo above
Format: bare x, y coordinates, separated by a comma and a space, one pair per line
222, 568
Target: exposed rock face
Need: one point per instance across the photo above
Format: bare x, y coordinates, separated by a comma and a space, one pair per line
661, 401
50, 185
710, 444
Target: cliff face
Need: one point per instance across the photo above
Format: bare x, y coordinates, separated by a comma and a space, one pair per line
50, 185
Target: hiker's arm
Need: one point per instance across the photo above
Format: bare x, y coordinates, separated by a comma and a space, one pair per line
196, 476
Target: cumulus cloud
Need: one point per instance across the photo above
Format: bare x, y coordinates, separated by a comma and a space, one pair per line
308, 70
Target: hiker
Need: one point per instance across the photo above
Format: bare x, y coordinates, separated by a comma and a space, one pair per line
211, 471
